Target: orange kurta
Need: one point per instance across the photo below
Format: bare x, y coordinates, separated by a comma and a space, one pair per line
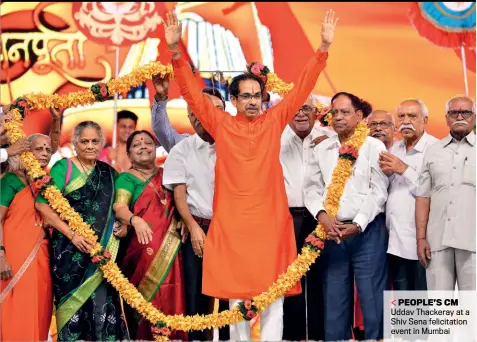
251, 239
27, 310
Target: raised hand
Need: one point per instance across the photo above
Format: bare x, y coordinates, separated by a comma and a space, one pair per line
161, 86
20, 146
328, 27
56, 113
172, 30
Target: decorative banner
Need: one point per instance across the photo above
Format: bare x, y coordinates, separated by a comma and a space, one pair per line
446, 24
116, 23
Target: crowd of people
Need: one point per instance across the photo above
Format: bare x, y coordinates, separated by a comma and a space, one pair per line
232, 206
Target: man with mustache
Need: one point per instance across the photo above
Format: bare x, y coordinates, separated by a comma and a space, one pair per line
403, 165
381, 126
445, 203
357, 236
297, 142
251, 239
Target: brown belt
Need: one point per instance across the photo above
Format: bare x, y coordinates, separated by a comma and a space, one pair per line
202, 221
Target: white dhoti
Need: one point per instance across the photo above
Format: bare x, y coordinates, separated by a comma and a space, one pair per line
271, 323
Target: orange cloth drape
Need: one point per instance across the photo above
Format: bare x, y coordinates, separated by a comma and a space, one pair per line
26, 311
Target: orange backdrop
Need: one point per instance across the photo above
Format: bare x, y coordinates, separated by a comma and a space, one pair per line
377, 53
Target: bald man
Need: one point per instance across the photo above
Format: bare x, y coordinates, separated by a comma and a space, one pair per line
381, 126
297, 143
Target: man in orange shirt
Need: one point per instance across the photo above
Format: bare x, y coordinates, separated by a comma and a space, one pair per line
251, 217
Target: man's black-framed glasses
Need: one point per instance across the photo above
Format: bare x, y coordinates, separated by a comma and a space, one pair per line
383, 124
454, 114
306, 110
248, 96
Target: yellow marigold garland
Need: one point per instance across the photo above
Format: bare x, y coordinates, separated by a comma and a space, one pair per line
112, 273
124, 84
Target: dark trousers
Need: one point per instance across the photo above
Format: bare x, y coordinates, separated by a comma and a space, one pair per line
406, 275
300, 311
196, 302
361, 257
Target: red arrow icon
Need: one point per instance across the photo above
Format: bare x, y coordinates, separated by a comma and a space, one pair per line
393, 302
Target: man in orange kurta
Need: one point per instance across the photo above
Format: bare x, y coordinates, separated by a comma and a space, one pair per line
251, 238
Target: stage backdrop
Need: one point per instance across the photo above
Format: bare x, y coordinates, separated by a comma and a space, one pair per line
378, 54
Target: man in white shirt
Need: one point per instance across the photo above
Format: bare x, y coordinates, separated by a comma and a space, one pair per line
360, 252
403, 165
381, 126
189, 172
445, 203
297, 142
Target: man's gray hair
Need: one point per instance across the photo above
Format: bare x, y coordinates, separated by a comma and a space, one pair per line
87, 124
32, 138
314, 99
422, 105
460, 97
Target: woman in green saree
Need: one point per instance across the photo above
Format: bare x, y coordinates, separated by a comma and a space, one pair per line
87, 307
151, 261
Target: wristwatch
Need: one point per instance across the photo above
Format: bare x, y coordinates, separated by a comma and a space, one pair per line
359, 227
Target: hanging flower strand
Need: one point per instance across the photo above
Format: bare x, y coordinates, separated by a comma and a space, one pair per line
162, 324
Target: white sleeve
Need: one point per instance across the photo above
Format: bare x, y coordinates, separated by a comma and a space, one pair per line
424, 187
412, 179
377, 194
175, 171
3, 155
314, 186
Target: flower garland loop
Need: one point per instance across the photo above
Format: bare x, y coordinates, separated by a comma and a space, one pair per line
100, 91
161, 323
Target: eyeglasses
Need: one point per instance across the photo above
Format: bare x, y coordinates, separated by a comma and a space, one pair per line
305, 109
383, 124
247, 97
454, 114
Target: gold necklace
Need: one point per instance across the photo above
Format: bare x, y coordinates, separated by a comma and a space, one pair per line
162, 199
83, 166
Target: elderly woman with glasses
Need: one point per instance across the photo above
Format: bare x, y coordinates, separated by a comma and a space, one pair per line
87, 307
